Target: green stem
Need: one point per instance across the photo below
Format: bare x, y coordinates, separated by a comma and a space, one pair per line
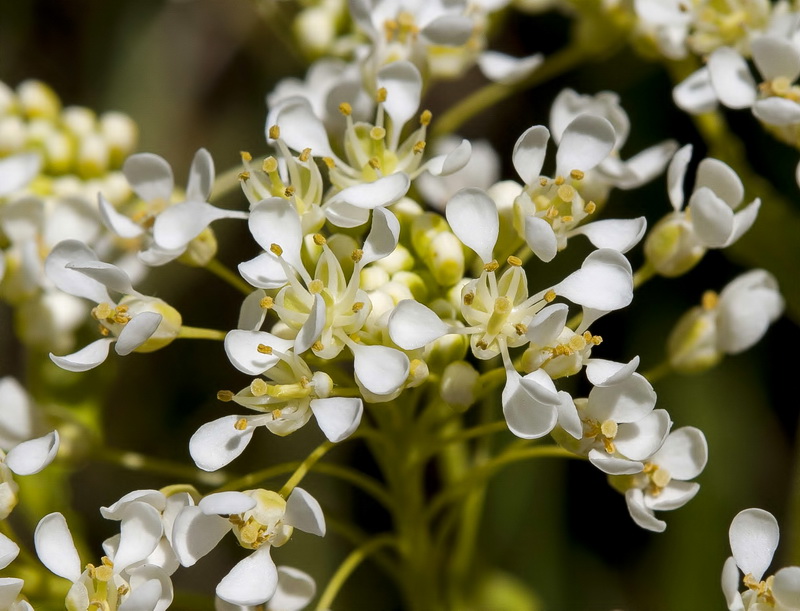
135, 461
225, 183
305, 466
659, 371
643, 274
200, 333
366, 483
223, 273
356, 557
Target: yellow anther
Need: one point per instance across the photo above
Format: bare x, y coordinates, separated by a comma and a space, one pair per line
305, 382
225, 396
661, 477
317, 346
240, 424
103, 331
419, 147
355, 337
576, 175
329, 162
264, 349
288, 191
567, 218
276, 250
106, 561
345, 109
609, 429
377, 133
276, 413
104, 573
375, 163
304, 156
520, 329
259, 387
552, 212
319, 239
274, 132
559, 181
380, 95
246, 156
587, 337
356, 255
590, 208
122, 590
597, 340
491, 266
425, 117
609, 446
358, 306
121, 318
102, 311
515, 261
243, 176
269, 165
549, 295
577, 343
316, 286
266, 302
543, 181
709, 300
481, 344
469, 298
566, 193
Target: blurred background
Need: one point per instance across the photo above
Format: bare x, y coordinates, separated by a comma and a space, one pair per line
195, 74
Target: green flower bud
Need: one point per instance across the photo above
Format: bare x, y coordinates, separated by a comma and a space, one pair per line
38, 100
692, 344
671, 248
200, 250
458, 384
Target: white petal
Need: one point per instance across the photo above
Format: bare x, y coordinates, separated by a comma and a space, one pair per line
116, 222
712, 218
529, 152
295, 590
201, 177
730, 585
110, 276
264, 272
301, 128
754, 535
604, 282
382, 192
86, 358
150, 176
252, 581
275, 221
251, 314
137, 331
585, 143
382, 238
626, 401
676, 174
140, 532
180, 224
506, 69
638, 440
20, 418
786, 587
675, 495
695, 94
452, 162
527, 416
568, 418
8, 551
55, 548
617, 234
547, 324
17, 171
601, 372
380, 369
342, 214
743, 320
413, 325
69, 280
646, 165
151, 590
338, 417
242, 350
721, 179
775, 57
642, 515
731, 78
541, 238
613, 465
474, 219
195, 534
777, 111
32, 456
226, 503
151, 497
10, 588
312, 327
217, 443
684, 453
403, 84
304, 512
449, 30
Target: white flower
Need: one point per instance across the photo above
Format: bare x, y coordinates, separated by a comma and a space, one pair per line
17, 171
295, 590
10, 587
754, 536
260, 519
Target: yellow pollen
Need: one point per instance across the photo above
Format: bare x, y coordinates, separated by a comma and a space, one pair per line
566, 192
276, 413
345, 109
609, 429
356, 255
469, 298
515, 261
502, 305
419, 147
543, 181
559, 181
355, 337
520, 329
329, 162
358, 306
264, 349
274, 132
377, 133
246, 156
317, 346
122, 590
319, 239
270, 165
316, 286
244, 176
102, 311
289, 191
661, 477
380, 95
491, 266
121, 318
224, 396
425, 117
103, 331
103, 573
577, 343
305, 155
597, 340
305, 382
552, 212
267, 302
276, 250
549, 295
481, 344
258, 387
576, 175
375, 163
590, 208
709, 300
566, 219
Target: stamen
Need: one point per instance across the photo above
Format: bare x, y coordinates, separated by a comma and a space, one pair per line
240, 424
520, 329
358, 306
264, 349
515, 261
590, 208
267, 302
319, 239
276, 413
559, 181
469, 298
246, 156
345, 109
276, 250
419, 147
709, 300
225, 396
491, 266
305, 155
549, 295
274, 132
244, 176
329, 162
356, 255
375, 163
317, 346
425, 117
270, 165
543, 181
380, 95
289, 191
576, 175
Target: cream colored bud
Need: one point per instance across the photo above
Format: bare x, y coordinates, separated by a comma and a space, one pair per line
692, 344
94, 156
415, 284
121, 134
8, 99
115, 188
671, 247
424, 228
322, 384
13, 135
38, 100
167, 330
458, 385
445, 259
373, 278
79, 120
446, 350
399, 260
418, 373
59, 151
201, 249
315, 30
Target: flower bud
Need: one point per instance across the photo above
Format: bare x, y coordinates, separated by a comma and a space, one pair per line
8, 489
458, 385
315, 30
372, 278
414, 283
79, 120
93, 156
12, 135
692, 346
671, 247
201, 249
121, 134
59, 150
446, 350
417, 374
167, 330
445, 259
399, 260
38, 100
